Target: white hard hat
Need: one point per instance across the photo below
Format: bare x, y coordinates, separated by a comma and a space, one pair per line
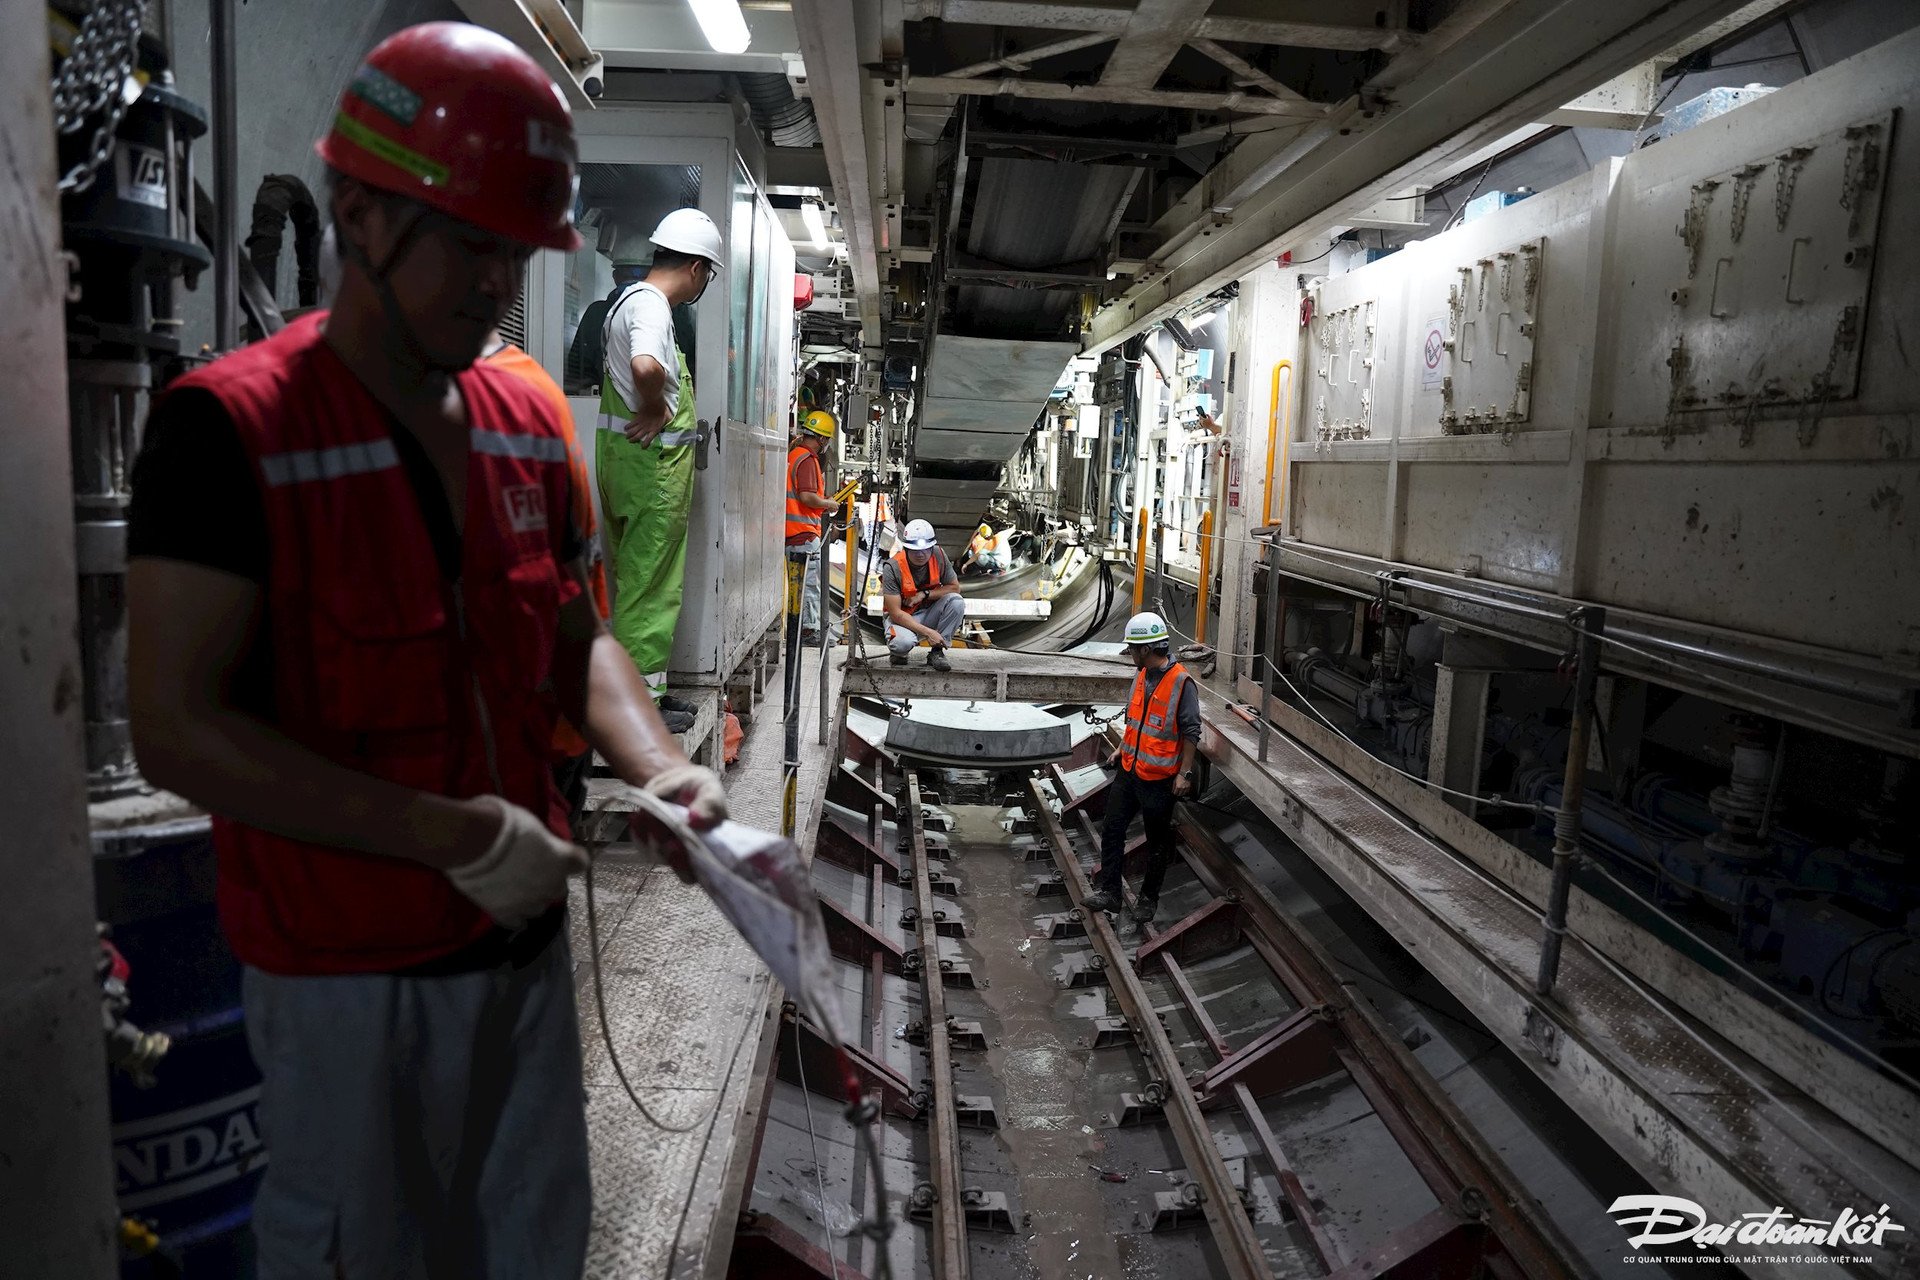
1147, 628
918, 535
690, 231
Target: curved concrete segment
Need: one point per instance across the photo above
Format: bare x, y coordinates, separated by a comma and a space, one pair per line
979, 745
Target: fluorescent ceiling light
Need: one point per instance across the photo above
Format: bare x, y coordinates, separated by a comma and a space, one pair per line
722, 23
810, 214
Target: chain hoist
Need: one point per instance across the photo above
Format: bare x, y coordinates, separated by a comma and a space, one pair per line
96, 77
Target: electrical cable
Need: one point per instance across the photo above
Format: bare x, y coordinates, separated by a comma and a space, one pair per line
1457, 214
606, 1035
1827, 723
1495, 800
819, 1177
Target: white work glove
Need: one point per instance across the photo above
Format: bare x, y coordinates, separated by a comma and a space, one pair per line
524, 871
696, 787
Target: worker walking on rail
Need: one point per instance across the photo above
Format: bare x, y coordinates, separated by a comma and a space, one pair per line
921, 595
357, 606
646, 440
807, 507
1155, 763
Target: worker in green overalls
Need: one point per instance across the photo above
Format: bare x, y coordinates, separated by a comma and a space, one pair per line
645, 447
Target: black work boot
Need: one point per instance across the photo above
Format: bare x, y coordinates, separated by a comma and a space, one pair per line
1143, 909
937, 659
1101, 900
896, 659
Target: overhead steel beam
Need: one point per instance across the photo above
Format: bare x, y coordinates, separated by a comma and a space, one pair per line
1053, 91
1156, 31
1246, 75
829, 43
993, 675
1027, 57
548, 33
1491, 67
1082, 17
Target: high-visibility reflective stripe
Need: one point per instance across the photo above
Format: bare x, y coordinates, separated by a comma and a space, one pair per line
502, 445
304, 465
607, 422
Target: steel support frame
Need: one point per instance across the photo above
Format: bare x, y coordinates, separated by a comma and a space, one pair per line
765, 1248
1233, 1232
1465, 1175
1879, 1107
949, 1236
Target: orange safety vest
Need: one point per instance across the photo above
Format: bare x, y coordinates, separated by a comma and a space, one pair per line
1151, 749
802, 521
910, 586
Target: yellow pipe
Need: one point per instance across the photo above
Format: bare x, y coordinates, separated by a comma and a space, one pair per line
1206, 576
1140, 564
1277, 435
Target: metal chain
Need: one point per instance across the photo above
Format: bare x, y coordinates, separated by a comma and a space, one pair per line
1786, 174
94, 78
1845, 334
1693, 230
1743, 184
1861, 172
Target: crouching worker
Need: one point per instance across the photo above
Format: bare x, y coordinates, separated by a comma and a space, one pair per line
357, 608
921, 595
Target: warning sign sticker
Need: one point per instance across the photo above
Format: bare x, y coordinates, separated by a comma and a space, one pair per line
1433, 352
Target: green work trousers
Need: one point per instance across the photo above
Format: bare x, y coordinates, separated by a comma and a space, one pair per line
646, 494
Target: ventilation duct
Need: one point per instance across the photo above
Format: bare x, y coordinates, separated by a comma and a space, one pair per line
785, 119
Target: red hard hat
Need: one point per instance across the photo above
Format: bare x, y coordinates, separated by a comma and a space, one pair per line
457, 117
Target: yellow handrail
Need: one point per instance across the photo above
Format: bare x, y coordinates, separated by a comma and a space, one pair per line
1140, 564
1276, 434
1206, 576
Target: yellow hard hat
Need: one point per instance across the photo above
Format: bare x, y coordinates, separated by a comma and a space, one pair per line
819, 422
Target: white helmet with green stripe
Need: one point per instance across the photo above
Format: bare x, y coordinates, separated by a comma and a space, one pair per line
1147, 628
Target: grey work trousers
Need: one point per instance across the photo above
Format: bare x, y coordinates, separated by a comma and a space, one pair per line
944, 615
421, 1128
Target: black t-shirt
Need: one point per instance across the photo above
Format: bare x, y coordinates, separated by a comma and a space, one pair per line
197, 498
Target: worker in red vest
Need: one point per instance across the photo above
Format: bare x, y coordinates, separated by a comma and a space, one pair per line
921, 595
1155, 763
807, 507
357, 607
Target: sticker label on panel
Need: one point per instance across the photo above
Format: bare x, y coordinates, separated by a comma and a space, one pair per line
1433, 352
140, 175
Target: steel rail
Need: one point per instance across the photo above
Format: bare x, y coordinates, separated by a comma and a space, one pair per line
1232, 1228
1464, 1174
949, 1243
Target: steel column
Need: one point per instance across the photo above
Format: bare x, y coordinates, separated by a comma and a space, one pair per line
1588, 623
